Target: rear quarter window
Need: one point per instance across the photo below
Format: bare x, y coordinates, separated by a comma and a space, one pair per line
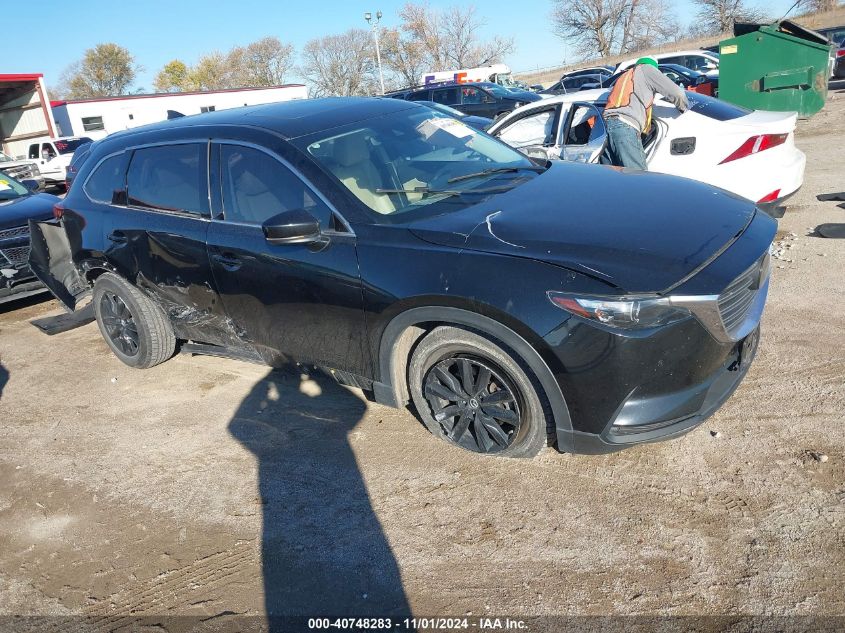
715, 108
107, 178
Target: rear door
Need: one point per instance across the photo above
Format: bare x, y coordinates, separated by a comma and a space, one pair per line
298, 302
156, 232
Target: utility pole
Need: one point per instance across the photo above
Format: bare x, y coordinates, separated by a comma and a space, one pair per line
369, 18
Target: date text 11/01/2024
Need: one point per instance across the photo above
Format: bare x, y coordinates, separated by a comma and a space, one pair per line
418, 624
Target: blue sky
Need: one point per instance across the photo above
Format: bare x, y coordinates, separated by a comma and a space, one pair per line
156, 31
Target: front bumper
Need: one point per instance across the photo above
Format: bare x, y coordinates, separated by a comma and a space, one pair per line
641, 420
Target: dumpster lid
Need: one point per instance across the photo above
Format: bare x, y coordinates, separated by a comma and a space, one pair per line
784, 26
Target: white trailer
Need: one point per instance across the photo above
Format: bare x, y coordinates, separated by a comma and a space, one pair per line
495, 73
102, 116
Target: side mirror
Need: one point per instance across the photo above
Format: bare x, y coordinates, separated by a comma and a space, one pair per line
296, 226
31, 185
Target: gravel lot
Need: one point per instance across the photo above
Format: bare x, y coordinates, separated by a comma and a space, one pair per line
208, 486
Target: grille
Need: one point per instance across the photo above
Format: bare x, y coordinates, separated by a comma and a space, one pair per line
18, 231
16, 256
737, 298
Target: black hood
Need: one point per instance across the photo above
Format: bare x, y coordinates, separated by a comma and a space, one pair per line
638, 231
15, 213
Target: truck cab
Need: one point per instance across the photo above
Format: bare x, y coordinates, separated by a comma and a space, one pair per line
53, 155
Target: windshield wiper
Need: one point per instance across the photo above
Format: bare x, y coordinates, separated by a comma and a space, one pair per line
495, 170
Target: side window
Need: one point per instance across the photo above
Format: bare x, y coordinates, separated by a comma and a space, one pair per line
47, 151
94, 123
169, 178
473, 96
674, 60
534, 129
257, 187
447, 96
422, 95
33, 151
586, 126
109, 177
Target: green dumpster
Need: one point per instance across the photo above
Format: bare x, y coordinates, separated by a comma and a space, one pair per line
781, 66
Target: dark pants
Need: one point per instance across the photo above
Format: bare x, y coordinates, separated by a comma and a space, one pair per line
624, 147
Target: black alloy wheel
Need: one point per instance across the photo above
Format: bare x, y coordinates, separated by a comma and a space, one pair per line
473, 403
119, 323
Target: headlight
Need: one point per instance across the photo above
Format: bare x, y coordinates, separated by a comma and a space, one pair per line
622, 314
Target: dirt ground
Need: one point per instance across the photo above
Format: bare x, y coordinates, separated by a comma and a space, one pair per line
208, 487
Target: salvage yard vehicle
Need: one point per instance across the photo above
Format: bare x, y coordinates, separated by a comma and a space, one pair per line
412, 256
18, 205
54, 155
21, 169
700, 60
749, 152
478, 122
476, 99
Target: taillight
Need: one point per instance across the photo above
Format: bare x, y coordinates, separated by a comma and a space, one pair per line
840, 52
756, 144
58, 211
770, 197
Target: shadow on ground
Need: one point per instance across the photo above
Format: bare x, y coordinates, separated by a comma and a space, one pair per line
324, 551
4, 378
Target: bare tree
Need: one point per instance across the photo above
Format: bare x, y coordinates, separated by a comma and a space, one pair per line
815, 6
450, 38
610, 27
405, 57
106, 70
718, 16
265, 62
341, 65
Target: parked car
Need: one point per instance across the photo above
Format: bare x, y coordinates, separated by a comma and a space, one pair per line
19, 203
591, 70
839, 64
700, 60
411, 255
54, 155
478, 99
478, 122
691, 80
21, 169
79, 155
751, 153
574, 84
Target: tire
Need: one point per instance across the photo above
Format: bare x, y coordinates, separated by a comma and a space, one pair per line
123, 312
523, 420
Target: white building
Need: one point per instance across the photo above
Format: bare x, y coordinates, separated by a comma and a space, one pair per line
99, 117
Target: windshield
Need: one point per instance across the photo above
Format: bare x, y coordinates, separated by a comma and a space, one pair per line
69, 145
11, 189
417, 162
507, 80
496, 90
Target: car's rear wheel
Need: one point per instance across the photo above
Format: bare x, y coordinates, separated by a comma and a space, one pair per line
133, 325
477, 394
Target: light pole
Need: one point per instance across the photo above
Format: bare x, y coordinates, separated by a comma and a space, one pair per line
369, 17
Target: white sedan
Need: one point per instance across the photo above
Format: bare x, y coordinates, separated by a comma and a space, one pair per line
749, 152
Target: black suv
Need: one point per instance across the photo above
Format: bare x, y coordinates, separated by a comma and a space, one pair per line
478, 99
418, 258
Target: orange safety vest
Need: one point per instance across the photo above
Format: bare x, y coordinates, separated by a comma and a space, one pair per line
620, 96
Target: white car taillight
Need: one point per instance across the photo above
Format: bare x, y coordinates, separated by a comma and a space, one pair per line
755, 145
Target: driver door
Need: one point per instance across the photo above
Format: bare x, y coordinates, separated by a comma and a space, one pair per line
534, 133
584, 135
297, 302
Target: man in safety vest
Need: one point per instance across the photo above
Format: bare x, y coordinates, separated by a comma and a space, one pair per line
628, 111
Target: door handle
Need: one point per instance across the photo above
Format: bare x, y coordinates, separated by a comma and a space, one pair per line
227, 260
118, 237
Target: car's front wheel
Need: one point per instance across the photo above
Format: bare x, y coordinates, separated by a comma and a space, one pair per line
134, 326
477, 394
